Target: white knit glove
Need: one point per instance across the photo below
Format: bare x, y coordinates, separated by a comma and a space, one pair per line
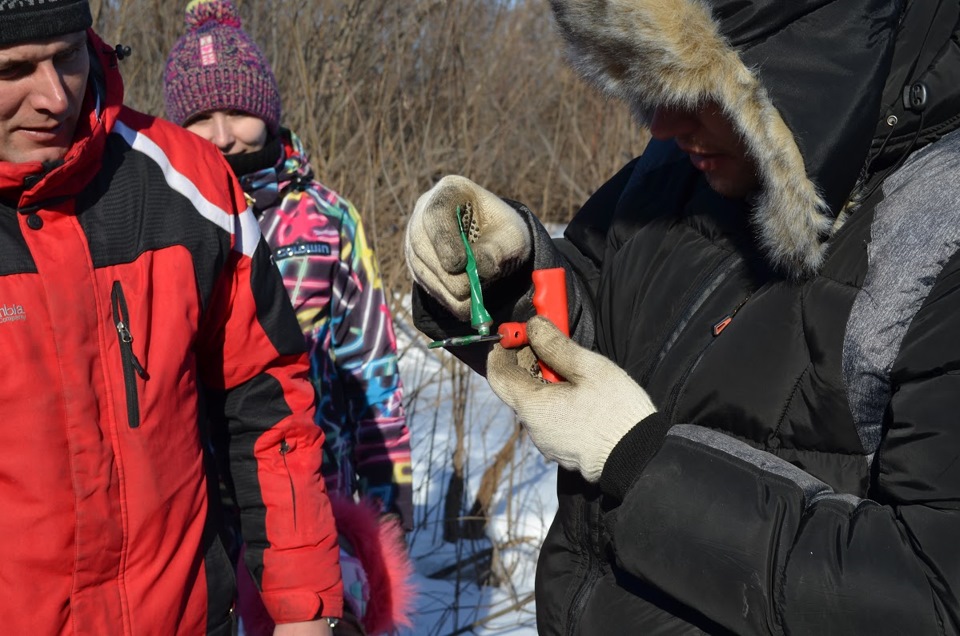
498, 235
578, 422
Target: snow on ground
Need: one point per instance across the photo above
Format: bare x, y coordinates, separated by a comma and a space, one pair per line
450, 601
525, 502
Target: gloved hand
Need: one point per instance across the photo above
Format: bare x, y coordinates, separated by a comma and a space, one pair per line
498, 235
578, 422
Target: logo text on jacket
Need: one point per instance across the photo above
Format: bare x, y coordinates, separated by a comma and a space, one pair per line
10, 313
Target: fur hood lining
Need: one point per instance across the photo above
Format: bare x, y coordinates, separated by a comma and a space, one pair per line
651, 53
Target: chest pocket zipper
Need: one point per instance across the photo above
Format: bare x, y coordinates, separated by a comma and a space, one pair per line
131, 366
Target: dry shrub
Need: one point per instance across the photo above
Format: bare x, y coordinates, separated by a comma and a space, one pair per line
390, 95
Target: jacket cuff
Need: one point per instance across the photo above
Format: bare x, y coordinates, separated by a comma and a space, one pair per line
631, 454
294, 606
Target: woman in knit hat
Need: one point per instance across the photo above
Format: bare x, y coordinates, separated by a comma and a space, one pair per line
218, 84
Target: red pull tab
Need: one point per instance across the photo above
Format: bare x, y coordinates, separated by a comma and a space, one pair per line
720, 326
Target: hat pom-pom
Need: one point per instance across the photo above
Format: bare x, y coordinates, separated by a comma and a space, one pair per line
200, 12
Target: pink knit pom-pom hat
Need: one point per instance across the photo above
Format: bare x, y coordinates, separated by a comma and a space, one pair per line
216, 66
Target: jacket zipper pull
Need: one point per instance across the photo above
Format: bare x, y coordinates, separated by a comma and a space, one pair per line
120, 317
720, 326
127, 338
725, 322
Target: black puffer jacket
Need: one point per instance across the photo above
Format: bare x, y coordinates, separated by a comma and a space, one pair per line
802, 474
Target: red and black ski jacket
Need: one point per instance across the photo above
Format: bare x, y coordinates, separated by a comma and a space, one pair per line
141, 323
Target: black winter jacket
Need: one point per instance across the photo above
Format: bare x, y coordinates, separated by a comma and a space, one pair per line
802, 347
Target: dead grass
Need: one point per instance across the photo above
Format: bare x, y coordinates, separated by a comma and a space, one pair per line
390, 95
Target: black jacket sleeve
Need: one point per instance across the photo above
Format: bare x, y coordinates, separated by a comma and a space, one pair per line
760, 546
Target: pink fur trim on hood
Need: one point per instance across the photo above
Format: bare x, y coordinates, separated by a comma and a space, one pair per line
380, 548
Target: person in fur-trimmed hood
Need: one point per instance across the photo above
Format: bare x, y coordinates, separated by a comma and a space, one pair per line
757, 428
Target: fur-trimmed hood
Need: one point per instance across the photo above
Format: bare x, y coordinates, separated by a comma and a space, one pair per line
805, 83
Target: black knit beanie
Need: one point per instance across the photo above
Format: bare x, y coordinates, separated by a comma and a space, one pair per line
24, 21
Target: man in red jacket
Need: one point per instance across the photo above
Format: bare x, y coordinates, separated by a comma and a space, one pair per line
142, 326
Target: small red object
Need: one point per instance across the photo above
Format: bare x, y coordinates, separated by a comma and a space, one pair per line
550, 301
720, 326
512, 334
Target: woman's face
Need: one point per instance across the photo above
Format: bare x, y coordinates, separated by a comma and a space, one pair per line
232, 131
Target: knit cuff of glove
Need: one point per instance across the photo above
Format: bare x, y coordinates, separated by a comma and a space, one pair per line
631, 454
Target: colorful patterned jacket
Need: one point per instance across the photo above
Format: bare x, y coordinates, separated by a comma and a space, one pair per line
334, 284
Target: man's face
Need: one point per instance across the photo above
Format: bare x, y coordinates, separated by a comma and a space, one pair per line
42, 85
714, 146
233, 132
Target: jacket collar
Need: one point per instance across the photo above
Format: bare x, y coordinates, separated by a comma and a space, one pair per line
266, 186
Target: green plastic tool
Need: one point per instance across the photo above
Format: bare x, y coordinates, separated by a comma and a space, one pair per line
480, 319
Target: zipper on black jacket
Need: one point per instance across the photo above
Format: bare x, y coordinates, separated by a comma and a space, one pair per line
716, 330
695, 300
131, 366
591, 521
591, 516
284, 449
725, 322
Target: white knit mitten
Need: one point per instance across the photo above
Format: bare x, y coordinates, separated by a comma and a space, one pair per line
498, 236
577, 422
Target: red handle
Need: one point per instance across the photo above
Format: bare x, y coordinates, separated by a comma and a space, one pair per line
550, 301
550, 297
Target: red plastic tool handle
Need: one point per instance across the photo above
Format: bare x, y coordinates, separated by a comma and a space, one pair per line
550, 301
